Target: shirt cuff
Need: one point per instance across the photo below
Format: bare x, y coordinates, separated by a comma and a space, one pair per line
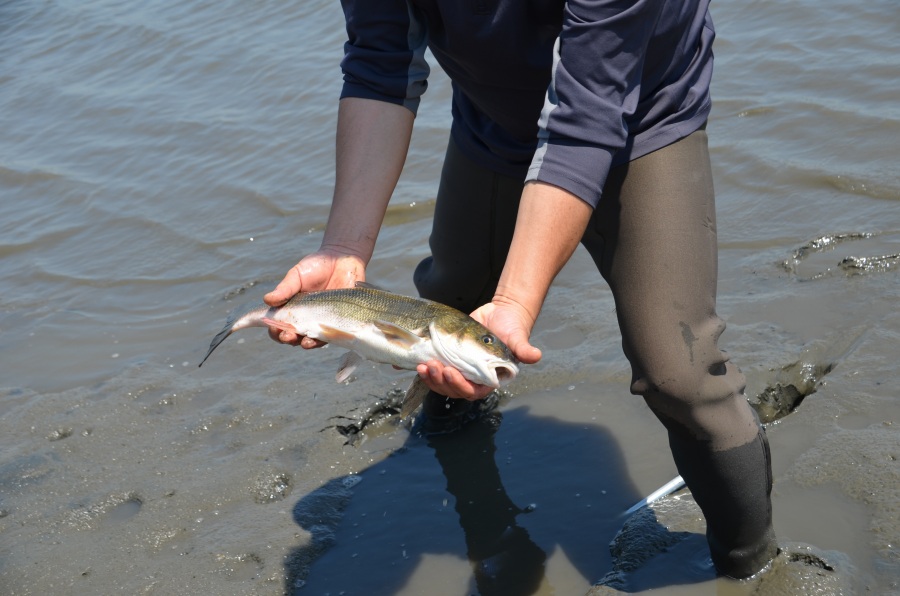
579, 169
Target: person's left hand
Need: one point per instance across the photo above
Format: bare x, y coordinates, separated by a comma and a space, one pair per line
511, 323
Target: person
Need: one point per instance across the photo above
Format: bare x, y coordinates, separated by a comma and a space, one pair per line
573, 122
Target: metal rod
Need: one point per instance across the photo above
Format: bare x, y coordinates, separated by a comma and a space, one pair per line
666, 489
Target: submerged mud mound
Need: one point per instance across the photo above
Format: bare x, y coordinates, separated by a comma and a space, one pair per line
796, 382
374, 418
852, 253
784, 388
382, 416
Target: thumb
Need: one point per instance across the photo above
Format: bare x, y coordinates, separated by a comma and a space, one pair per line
522, 348
285, 289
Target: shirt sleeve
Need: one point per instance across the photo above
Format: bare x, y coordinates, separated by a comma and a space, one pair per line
596, 84
384, 57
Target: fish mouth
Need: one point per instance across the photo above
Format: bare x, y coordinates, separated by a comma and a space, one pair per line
505, 373
481, 368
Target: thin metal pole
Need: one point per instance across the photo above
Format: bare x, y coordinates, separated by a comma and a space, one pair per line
668, 488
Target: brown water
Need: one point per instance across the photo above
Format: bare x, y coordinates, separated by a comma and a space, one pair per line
162, 163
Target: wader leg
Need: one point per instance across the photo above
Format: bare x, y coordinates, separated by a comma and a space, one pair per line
474, 220
653, 237
732, 488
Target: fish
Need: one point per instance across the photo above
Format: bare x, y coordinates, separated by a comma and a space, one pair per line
380, 326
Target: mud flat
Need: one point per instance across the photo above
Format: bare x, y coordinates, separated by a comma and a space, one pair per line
161, 164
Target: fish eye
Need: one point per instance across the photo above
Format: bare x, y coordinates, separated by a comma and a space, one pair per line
487, 339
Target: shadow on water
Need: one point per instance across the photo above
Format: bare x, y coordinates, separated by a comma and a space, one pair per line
503, 497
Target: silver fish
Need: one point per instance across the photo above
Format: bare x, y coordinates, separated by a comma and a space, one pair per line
388, 328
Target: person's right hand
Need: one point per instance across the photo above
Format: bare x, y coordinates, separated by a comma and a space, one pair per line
322, 270
511, 323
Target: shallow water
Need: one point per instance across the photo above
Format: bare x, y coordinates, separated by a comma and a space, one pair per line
162, 163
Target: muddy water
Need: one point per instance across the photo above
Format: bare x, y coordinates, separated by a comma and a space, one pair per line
162, 163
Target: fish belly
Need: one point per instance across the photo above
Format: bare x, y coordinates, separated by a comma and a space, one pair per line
364, 338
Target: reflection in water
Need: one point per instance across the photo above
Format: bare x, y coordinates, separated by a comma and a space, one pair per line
372, 533
504, 558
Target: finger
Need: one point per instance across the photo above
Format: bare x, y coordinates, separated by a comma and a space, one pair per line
435, 374
460, 386
431, 374
446, 380
285, 290
309, 343
284, 337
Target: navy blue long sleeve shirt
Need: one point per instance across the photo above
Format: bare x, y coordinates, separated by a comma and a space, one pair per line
547, 90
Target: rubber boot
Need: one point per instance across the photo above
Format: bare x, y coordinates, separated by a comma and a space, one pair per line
733, 489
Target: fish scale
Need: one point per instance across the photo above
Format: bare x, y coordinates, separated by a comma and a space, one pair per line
413, 313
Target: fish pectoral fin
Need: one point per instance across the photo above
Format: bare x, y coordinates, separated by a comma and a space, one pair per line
333, 334
397, 335
415, 395
349, 362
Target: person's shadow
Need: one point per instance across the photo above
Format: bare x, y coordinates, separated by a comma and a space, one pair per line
518, 491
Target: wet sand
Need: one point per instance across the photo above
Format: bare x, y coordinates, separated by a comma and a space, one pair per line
171, 485
162, 164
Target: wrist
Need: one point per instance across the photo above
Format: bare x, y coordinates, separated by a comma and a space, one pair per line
527, 307
340, 250
523, 286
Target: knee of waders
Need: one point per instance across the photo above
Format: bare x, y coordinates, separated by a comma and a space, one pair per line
694, 386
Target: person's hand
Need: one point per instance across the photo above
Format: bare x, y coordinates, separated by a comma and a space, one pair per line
511, 323
322, 270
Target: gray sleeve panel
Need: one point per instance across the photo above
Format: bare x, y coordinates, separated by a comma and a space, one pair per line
384, 57
417, 74
608, 70
565, 167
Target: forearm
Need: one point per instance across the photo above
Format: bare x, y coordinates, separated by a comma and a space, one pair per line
549, 227
371, 146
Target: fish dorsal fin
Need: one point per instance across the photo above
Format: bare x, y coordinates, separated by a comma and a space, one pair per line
397, 335
348, 364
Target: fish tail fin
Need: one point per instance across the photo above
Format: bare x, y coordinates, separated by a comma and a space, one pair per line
219, 338
240, 318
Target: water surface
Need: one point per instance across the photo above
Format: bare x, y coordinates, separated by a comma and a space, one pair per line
162, 163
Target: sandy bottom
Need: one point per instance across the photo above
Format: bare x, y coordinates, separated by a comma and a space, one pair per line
528, 500
252, 476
